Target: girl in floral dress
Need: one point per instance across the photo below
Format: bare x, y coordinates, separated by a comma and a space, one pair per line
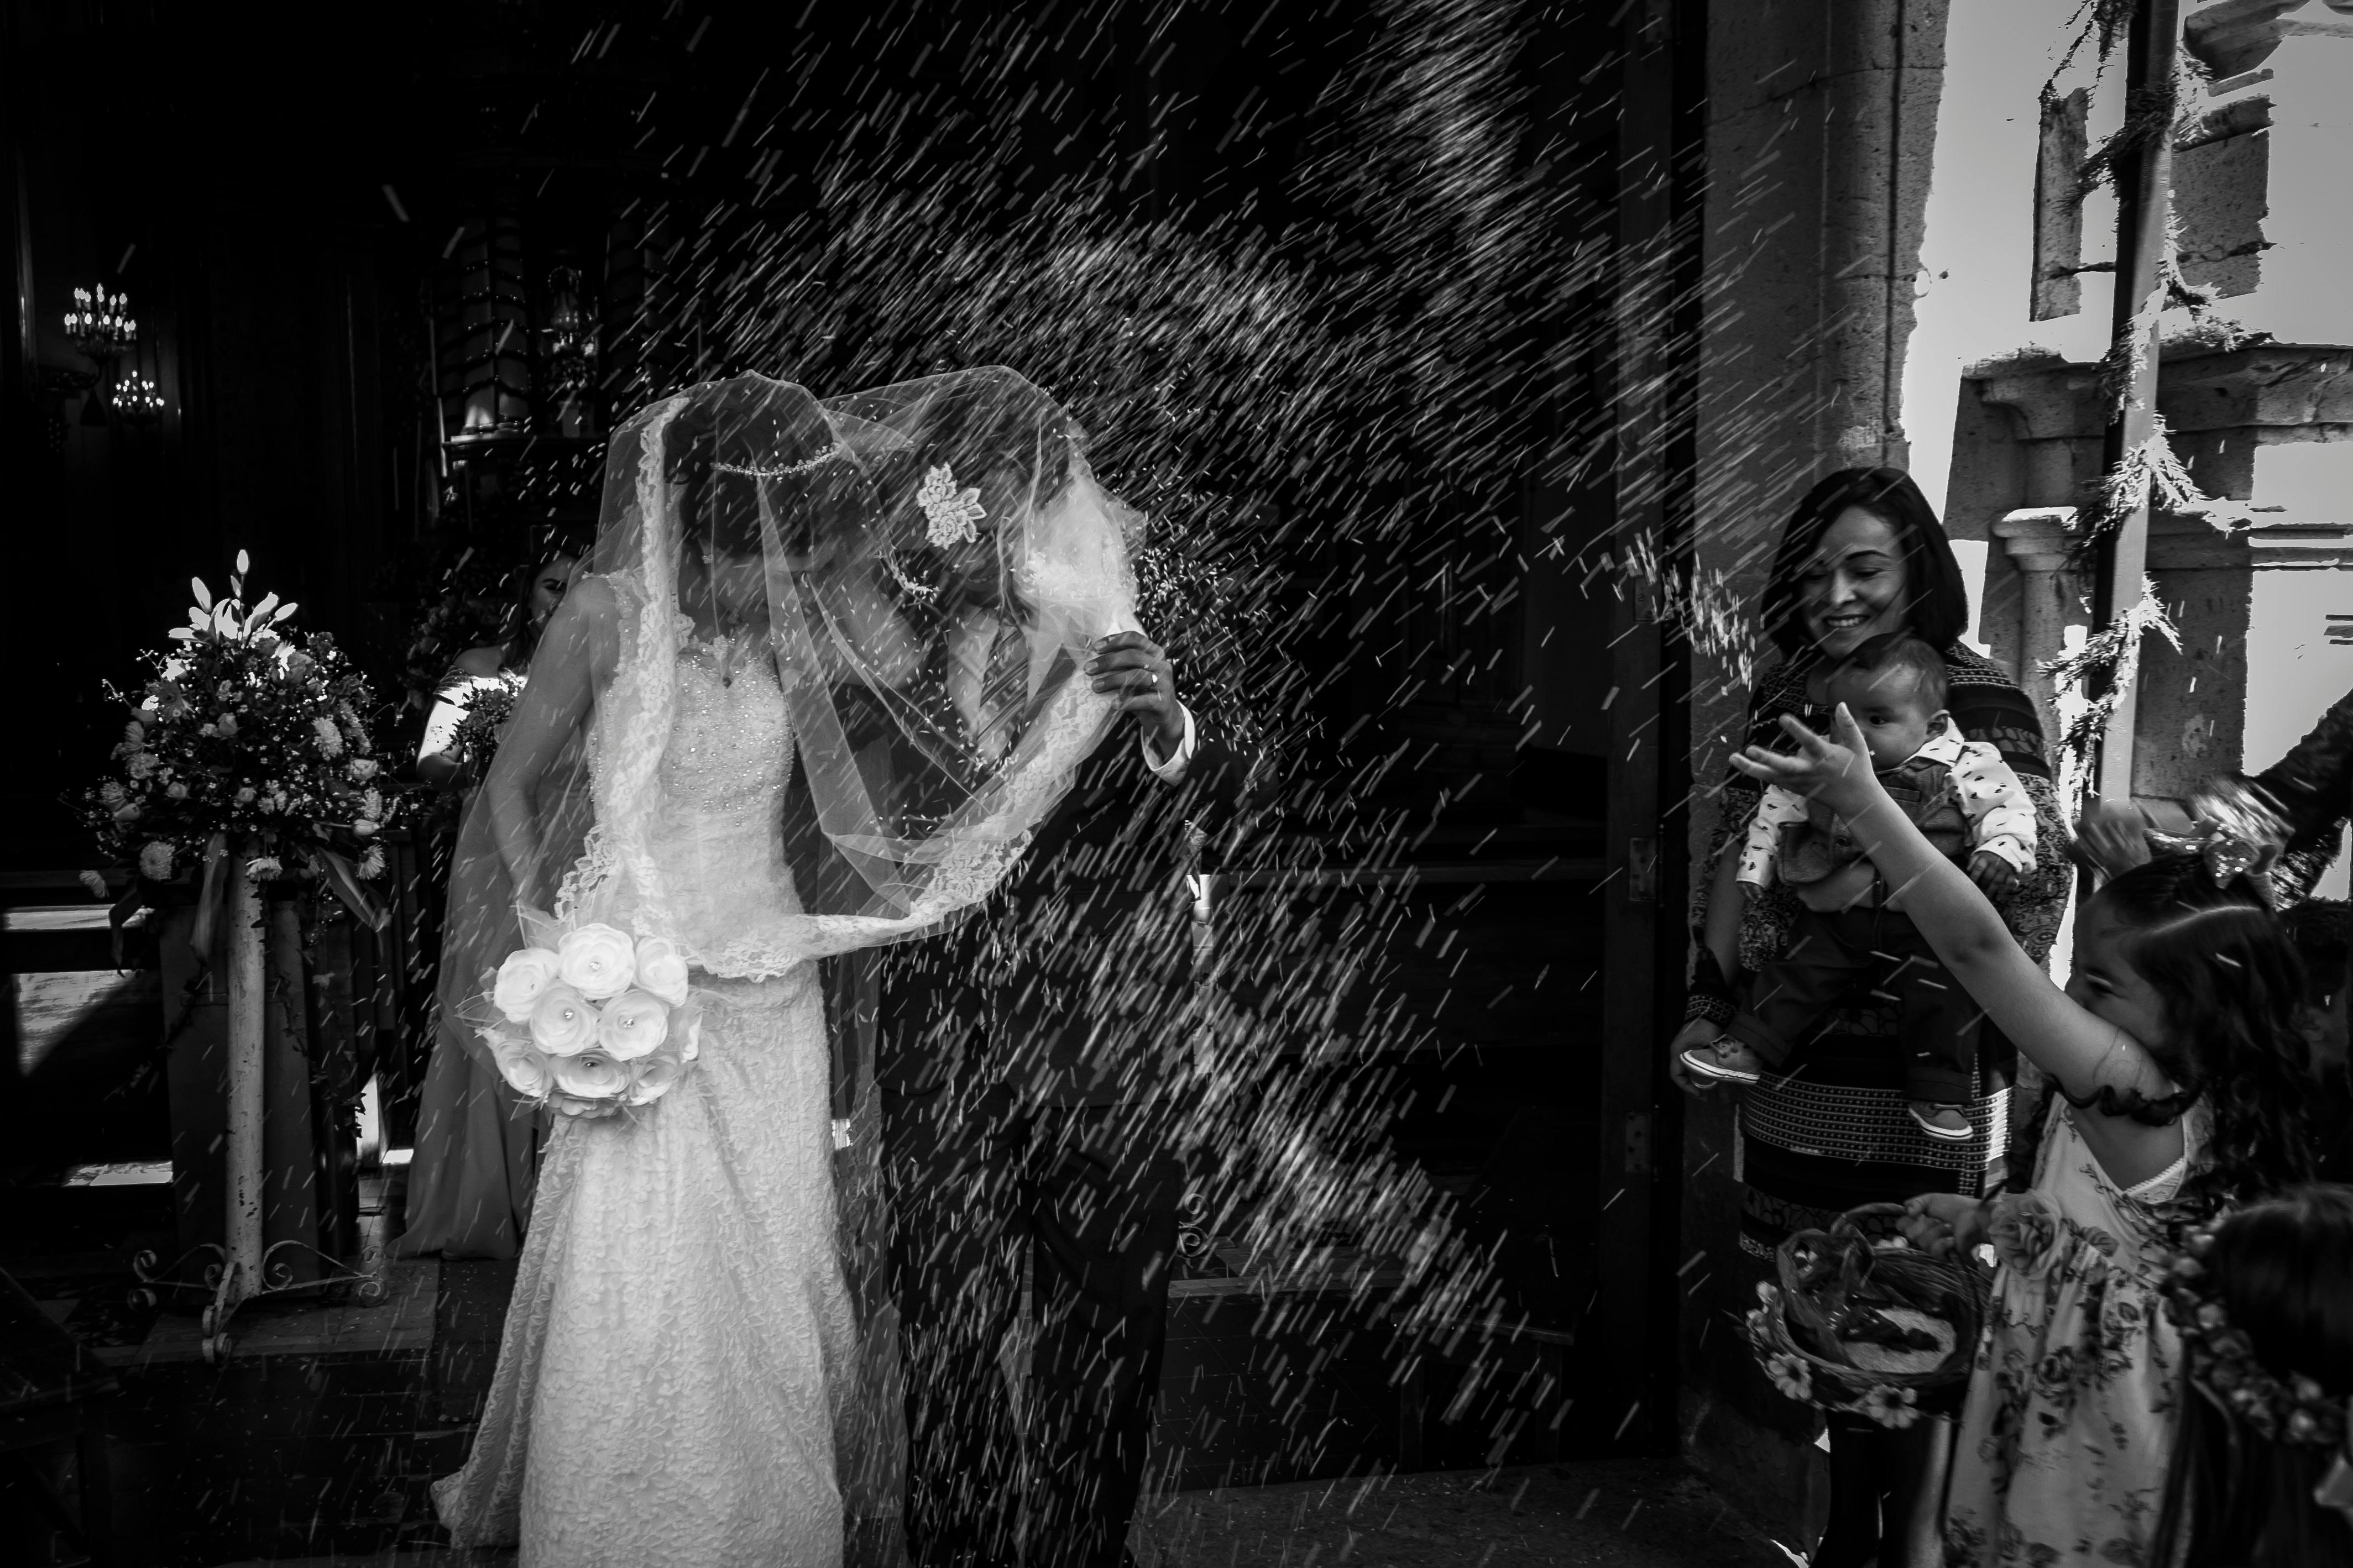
2178, 1062
2263, 1476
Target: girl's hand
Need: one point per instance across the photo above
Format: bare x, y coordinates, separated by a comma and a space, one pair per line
1943, 1224
1698, 1032
1834, 769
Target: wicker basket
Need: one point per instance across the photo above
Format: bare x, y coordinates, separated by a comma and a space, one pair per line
1827, 1277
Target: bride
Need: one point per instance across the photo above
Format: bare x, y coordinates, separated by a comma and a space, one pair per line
750, 730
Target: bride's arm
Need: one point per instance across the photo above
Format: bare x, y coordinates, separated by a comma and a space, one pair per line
576, 658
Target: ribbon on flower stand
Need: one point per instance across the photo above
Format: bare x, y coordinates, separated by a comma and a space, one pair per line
209, 898
340, 875
331, 868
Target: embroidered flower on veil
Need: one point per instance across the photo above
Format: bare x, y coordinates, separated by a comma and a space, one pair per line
952, 513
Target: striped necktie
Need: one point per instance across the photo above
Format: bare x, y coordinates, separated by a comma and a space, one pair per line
1003, 693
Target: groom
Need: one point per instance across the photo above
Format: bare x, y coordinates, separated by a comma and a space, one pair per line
1027, 1066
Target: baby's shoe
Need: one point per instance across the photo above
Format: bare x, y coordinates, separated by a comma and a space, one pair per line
1946, 1124
1725, 1061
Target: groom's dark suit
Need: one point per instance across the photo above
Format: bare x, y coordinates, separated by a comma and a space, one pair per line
1027, 1063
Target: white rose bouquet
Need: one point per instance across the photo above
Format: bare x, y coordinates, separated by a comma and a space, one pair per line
592, 1020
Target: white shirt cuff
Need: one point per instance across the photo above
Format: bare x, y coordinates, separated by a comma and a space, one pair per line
1172, 770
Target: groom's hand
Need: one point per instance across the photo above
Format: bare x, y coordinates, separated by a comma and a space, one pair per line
1135, 670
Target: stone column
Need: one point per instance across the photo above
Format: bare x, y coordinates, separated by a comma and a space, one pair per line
2050, 596
1885, 74
2019, 481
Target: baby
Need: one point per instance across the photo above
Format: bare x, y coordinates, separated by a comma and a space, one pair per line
1967, 801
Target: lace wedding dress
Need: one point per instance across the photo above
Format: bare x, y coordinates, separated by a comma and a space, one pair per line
680, 1341
681, 1380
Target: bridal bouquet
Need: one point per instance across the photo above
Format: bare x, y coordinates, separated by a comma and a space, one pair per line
599, 1021
489, 704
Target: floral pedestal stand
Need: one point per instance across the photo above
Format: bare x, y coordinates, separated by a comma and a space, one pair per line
246, 753
246, 1270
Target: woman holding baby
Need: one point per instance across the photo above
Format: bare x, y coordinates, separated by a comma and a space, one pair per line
1837, 1111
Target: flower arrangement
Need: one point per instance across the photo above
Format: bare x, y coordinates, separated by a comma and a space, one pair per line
598, 1022
247, 732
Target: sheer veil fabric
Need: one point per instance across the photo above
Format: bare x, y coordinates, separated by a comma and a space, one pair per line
819, 686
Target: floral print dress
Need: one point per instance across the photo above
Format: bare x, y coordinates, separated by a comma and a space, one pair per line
2069, 1426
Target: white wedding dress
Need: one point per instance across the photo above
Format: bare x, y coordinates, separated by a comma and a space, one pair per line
681, 1340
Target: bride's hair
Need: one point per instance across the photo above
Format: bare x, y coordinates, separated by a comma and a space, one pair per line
687, 451
719, 454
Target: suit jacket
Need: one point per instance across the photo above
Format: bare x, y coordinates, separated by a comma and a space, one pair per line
2313, 788
1070, 984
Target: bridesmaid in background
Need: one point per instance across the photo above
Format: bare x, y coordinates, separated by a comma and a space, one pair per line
470, 1178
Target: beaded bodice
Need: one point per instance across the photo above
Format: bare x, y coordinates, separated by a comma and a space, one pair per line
719, 836
730, 744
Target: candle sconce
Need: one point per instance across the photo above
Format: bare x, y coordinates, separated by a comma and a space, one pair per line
101, 328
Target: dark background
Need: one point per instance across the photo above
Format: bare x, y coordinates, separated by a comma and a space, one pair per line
310, 338
1334, 286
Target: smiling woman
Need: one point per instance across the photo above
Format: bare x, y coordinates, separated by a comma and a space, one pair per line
1862, 555
1852, 590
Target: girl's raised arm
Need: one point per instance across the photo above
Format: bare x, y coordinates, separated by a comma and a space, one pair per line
2083, 1051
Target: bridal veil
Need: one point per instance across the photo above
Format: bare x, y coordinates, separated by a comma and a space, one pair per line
922, 568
